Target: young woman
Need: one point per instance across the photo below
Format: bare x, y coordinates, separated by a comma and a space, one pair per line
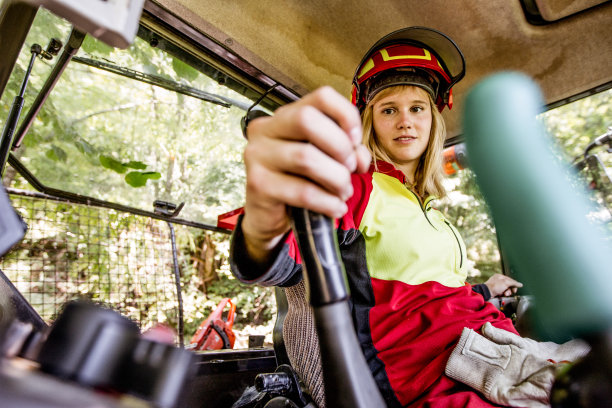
405, 262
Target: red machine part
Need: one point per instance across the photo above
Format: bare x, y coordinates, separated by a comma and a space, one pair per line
228, 220
455, 158
215, 333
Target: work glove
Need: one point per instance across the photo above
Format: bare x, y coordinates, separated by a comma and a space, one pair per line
509, 369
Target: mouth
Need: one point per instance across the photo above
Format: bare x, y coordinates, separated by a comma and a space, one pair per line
405, 138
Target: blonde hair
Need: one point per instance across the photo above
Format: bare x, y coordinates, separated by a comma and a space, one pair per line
429, 173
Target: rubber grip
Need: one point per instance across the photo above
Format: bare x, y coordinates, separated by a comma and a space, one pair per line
347, 378
325, 278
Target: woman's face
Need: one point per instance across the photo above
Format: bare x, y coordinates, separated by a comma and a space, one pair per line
402, 123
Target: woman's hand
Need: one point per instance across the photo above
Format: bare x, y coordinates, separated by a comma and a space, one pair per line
502, 285
302, 156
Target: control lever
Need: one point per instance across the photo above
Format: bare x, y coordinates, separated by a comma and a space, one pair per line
346, 376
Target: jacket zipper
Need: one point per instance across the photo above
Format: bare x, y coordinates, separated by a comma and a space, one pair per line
458, 243
422, 208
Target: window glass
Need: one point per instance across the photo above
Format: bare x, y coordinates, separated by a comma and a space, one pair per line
583, 133
119, 137
572, 127
114, 137
466, 208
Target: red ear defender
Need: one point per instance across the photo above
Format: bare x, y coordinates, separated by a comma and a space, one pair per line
440, 102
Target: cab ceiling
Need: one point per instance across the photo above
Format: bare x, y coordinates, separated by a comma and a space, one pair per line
307, 44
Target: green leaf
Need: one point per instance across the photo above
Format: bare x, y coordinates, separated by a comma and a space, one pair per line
153, 175
184, 71
133, 164
56, 153
135, 179
83, 146
112, 164
95, 47
51, 155
139, 179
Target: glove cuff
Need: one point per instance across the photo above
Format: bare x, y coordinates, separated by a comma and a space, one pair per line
478, 362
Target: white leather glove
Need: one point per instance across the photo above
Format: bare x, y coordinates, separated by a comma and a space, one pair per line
509, 369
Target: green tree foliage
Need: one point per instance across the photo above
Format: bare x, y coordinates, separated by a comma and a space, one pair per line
572, 127
575, 125
101, 134
466, 207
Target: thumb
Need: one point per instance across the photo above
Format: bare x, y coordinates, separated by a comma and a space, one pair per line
501, 336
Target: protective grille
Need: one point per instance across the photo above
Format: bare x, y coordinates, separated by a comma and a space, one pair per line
113, 258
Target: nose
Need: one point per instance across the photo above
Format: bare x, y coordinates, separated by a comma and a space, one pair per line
404, 120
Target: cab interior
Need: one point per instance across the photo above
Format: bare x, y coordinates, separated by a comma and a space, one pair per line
270, 54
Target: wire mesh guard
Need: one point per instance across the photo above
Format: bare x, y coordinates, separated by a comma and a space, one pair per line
70, 251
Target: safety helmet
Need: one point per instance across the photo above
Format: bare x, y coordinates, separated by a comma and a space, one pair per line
418, 56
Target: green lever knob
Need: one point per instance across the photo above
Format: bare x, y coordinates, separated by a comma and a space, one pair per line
560, 256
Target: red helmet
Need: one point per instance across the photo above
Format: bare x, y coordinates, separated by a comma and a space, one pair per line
416, 56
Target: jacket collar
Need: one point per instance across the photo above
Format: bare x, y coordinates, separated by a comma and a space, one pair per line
389, 170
